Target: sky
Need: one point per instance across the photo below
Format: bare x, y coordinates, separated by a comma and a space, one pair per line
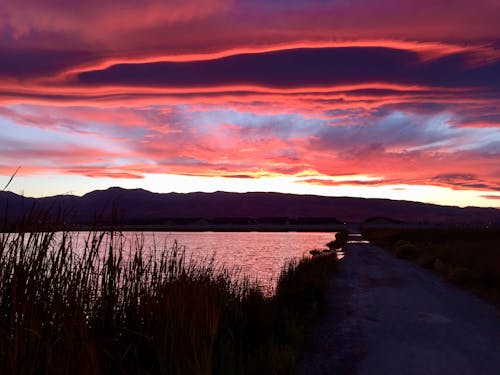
395, 99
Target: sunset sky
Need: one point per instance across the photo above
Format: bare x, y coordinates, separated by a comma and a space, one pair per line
396, 99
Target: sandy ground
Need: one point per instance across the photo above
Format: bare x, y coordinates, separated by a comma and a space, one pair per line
388, 316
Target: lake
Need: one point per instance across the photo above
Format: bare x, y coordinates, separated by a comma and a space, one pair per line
260, 255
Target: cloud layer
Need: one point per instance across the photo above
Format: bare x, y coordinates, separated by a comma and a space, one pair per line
335, 93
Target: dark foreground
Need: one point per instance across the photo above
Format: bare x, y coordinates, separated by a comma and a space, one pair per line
110, 309
388, 316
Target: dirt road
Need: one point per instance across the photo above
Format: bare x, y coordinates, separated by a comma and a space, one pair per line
388, 316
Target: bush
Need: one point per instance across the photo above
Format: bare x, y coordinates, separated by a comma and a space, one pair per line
442, 267
426, 260
463, 276
406, 250
340, 240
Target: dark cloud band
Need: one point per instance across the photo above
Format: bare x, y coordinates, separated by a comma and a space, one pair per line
307, 67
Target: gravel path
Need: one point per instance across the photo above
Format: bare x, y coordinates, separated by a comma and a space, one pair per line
388, 316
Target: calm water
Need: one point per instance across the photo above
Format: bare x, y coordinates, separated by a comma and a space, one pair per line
257, 254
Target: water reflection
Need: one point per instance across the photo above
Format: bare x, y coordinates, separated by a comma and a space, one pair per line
340, 253
261, 255
356, 238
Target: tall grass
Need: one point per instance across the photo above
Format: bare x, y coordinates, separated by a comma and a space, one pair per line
469, 257
102, 308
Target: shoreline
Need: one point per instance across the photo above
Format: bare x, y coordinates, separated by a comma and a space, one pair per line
206, 227
189, 228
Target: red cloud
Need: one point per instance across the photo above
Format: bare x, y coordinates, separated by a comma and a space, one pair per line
489, 196
103, 172
102, 22
134, 76
191, 26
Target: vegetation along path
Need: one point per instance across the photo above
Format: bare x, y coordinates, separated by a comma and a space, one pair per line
388, 316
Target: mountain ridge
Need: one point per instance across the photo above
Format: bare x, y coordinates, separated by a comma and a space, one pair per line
143, 206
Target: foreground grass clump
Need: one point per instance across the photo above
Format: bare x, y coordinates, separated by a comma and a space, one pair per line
469, 257
102, 308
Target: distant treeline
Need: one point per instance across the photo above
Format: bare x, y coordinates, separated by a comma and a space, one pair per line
279, 220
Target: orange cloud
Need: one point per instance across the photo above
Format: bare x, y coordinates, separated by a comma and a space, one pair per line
400, 90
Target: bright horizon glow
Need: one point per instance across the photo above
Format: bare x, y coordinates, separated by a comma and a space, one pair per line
46, 186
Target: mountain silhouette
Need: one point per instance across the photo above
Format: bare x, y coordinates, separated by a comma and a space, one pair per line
138, 206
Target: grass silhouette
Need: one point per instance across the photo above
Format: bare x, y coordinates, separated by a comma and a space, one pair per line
105, 308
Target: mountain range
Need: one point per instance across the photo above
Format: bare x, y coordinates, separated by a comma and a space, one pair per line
140, 207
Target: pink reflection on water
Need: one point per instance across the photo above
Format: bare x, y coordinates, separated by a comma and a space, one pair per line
260, 255
356, 238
